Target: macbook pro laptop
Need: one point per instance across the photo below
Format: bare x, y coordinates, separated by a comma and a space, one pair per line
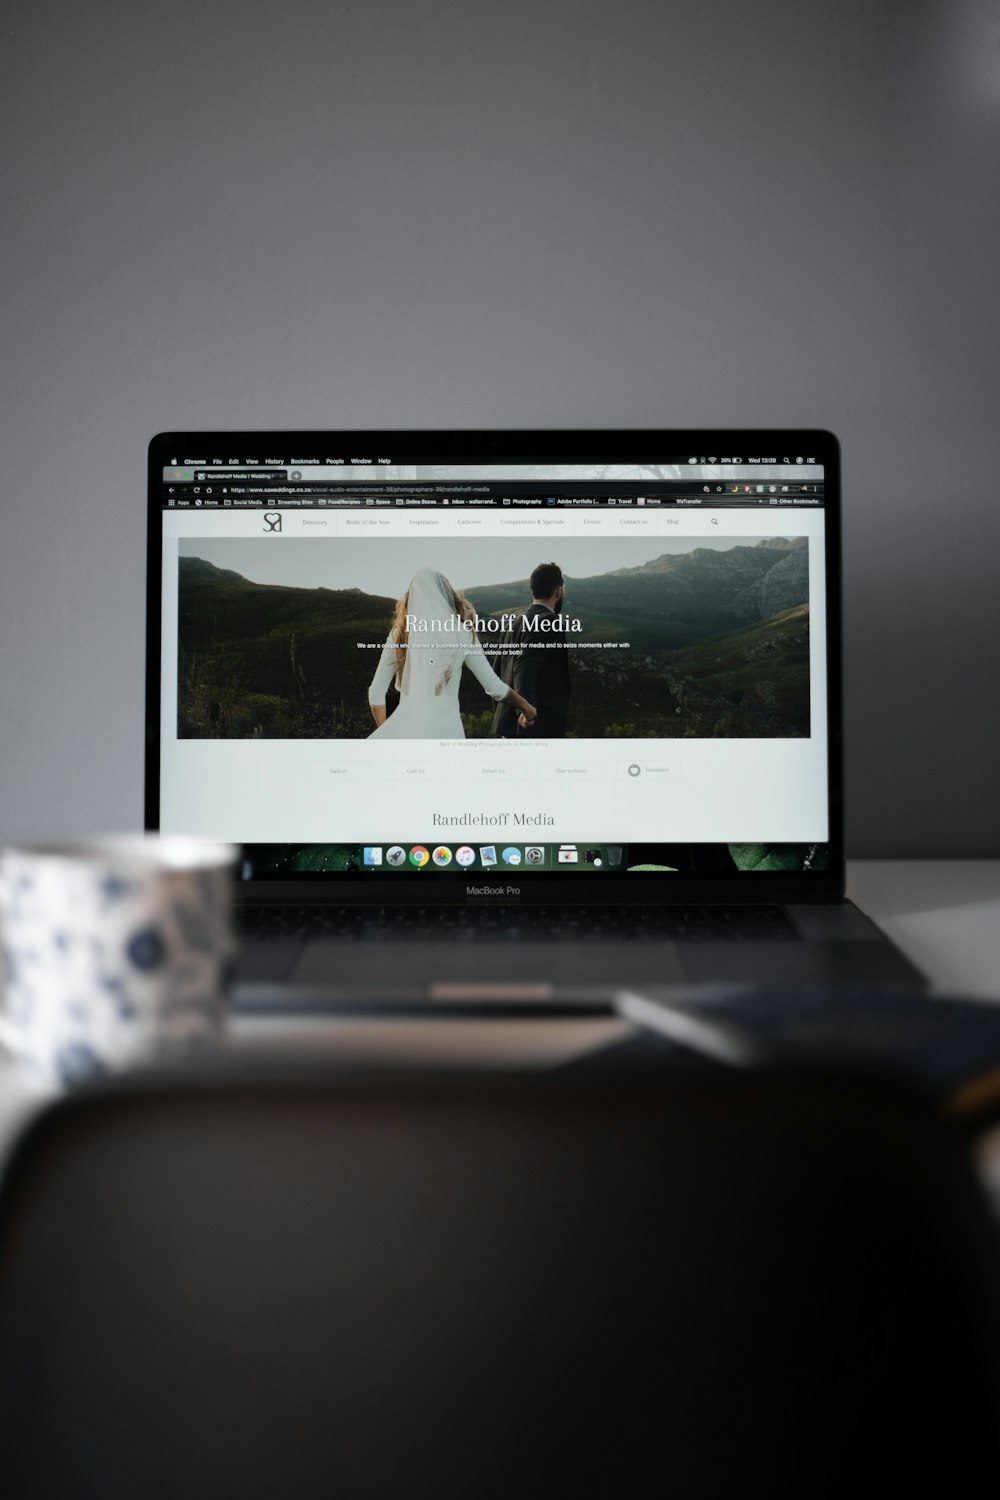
508, 716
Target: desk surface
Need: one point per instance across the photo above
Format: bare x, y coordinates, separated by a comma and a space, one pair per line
943, 914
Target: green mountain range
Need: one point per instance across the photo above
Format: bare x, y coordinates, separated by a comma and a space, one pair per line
679, 598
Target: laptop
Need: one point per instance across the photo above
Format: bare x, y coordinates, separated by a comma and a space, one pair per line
507, 718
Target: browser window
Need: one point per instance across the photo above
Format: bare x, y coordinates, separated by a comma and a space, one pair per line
462, 667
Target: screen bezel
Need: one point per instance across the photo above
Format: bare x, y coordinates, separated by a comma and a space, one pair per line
632, 445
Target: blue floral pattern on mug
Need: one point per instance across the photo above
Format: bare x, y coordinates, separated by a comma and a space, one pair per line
114, 951
145, 949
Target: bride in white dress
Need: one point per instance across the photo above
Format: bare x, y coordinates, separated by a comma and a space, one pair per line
425, 651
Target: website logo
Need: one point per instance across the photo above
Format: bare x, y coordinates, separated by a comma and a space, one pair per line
465, 856
442, 855
419, 856
511, 856
272, 520
373, 855
487, 855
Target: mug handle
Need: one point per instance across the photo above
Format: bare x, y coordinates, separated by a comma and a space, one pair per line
7, 1032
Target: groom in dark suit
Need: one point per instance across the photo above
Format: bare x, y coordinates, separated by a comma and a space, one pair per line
536, 663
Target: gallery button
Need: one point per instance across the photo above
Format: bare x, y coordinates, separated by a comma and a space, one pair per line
484, 772
416, 775
640, 770
339, 773
572, 772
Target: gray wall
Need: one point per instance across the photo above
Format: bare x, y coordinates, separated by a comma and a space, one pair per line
565, 212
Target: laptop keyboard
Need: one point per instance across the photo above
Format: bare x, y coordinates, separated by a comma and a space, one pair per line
461, 923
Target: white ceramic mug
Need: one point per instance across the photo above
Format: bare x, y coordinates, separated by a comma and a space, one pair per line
114, 949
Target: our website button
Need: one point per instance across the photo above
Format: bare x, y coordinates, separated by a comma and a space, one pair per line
571, 772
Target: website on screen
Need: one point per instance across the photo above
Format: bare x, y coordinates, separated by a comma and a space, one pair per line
528, 657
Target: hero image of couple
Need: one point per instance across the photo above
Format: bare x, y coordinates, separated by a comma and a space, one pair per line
384, 638
449, 638
436, 633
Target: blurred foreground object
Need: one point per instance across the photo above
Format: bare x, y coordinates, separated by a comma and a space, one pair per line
306, 1284
113, 949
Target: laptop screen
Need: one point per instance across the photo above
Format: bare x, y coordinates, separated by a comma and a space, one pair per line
474, 657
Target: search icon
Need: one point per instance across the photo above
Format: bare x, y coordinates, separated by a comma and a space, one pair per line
715, 520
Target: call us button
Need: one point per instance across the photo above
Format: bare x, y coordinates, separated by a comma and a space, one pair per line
404, 770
